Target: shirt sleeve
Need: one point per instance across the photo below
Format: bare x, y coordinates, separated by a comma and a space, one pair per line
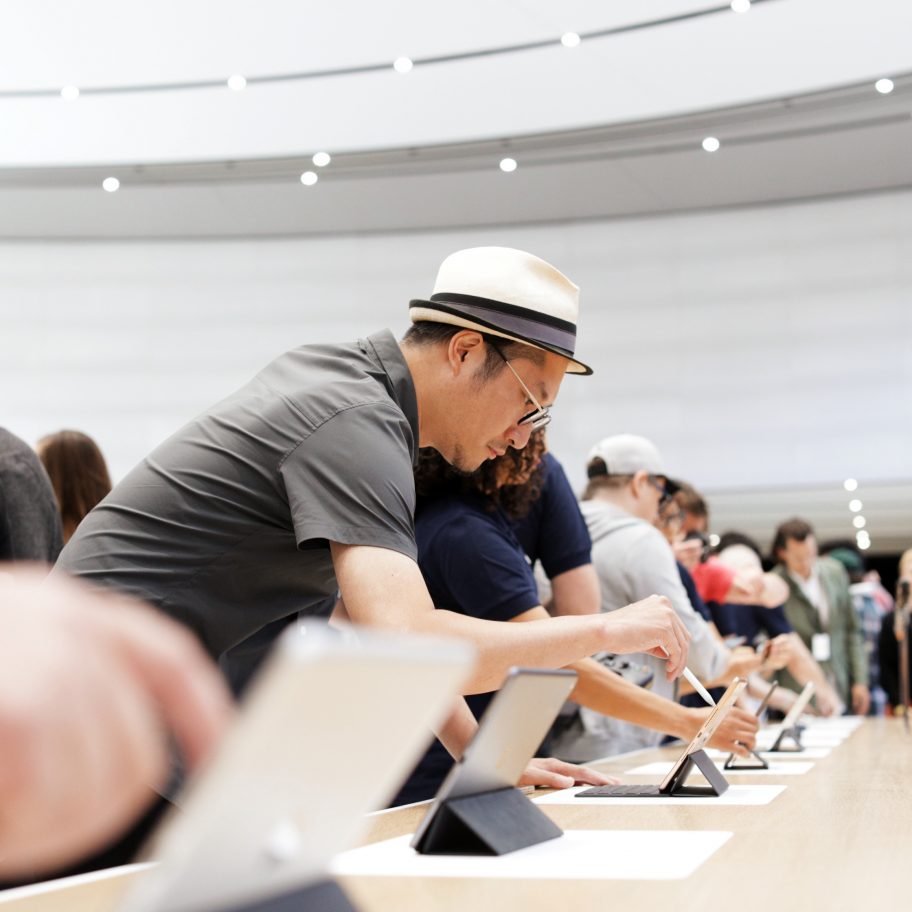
351, 481
713, 580
472, 567
30, 527
563, 538
774, 621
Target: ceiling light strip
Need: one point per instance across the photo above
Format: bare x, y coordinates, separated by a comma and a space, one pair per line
374, 67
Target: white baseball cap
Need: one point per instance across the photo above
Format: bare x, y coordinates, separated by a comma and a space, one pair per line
627, 454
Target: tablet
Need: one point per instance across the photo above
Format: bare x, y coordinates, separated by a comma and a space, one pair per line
509, 734
679, 769
798, 707
766, 699
328, 732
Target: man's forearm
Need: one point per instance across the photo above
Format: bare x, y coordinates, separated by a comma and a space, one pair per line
383, 588
609, 694
458, 729
551, 643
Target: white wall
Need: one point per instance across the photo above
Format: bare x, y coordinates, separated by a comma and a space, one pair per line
764, 346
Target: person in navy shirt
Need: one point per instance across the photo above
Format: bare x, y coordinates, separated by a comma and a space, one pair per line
477, 538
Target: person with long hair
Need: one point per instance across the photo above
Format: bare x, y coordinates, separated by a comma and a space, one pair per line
469, 530
78, 473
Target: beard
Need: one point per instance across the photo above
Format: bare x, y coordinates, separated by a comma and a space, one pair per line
459, 461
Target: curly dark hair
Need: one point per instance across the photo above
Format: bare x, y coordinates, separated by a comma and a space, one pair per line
512, 482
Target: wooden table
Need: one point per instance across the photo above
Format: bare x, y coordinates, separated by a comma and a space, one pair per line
838, 838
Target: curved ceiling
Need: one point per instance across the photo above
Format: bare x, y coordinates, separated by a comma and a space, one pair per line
781, 48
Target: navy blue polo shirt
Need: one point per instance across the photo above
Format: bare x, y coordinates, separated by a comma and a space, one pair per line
749, 621
554, 531
474, 564
690, 587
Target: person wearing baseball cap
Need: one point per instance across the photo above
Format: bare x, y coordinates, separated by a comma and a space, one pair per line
628, 481
301, 483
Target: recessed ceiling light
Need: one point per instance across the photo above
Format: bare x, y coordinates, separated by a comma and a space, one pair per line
714, 540
111, 184
402, 64
884, 86
859, 522
321, 159
740, 6
855, 505
570, 40
69, 93
508, 164
864, 544
237, 83
309, 178
711, 144
850, 484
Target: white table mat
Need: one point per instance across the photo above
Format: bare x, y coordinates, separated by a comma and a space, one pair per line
577, 855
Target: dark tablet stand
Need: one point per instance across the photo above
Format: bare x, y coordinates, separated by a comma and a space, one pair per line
734, 762
792, 734
322, 896
676, 788
487, 823
718, 784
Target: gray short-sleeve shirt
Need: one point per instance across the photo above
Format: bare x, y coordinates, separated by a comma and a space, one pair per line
226, 525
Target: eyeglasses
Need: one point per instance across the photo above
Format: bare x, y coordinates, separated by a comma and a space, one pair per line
540, 416
659, 484
671, 514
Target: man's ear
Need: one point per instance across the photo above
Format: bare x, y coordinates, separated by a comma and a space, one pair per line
465, 349
639, 480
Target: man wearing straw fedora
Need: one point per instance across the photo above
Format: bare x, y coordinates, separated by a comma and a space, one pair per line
301, 482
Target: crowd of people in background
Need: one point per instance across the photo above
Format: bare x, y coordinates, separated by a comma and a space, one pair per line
801, 612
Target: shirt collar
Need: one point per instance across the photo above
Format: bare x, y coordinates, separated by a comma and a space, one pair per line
399, 380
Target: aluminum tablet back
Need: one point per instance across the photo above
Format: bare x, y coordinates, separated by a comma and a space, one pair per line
510, 731
798, 707
327, 733
707, 729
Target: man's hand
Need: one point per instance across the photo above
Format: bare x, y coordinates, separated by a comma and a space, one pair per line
651, 626
748, 582
737, 732
688, 551
742, 662
777, 653
828, 702
551, 773
861, 699
91, 687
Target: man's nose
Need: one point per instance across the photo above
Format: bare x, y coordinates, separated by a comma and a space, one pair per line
518, 435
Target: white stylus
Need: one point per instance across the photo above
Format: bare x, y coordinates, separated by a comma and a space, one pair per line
698, 687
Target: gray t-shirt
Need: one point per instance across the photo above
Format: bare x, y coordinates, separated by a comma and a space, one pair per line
633, 561
226, 525
30, 527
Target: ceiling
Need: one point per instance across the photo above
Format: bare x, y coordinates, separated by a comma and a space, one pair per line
844, 140
885, 507
320, 77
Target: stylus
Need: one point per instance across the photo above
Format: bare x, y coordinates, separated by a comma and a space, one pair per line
698, 687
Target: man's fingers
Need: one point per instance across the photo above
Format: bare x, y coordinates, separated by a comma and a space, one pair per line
553, 773
580, 773
185, 685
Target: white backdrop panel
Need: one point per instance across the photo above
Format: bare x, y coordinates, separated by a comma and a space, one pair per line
765, 346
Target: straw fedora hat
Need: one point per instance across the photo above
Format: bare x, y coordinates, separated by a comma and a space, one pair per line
507, 293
